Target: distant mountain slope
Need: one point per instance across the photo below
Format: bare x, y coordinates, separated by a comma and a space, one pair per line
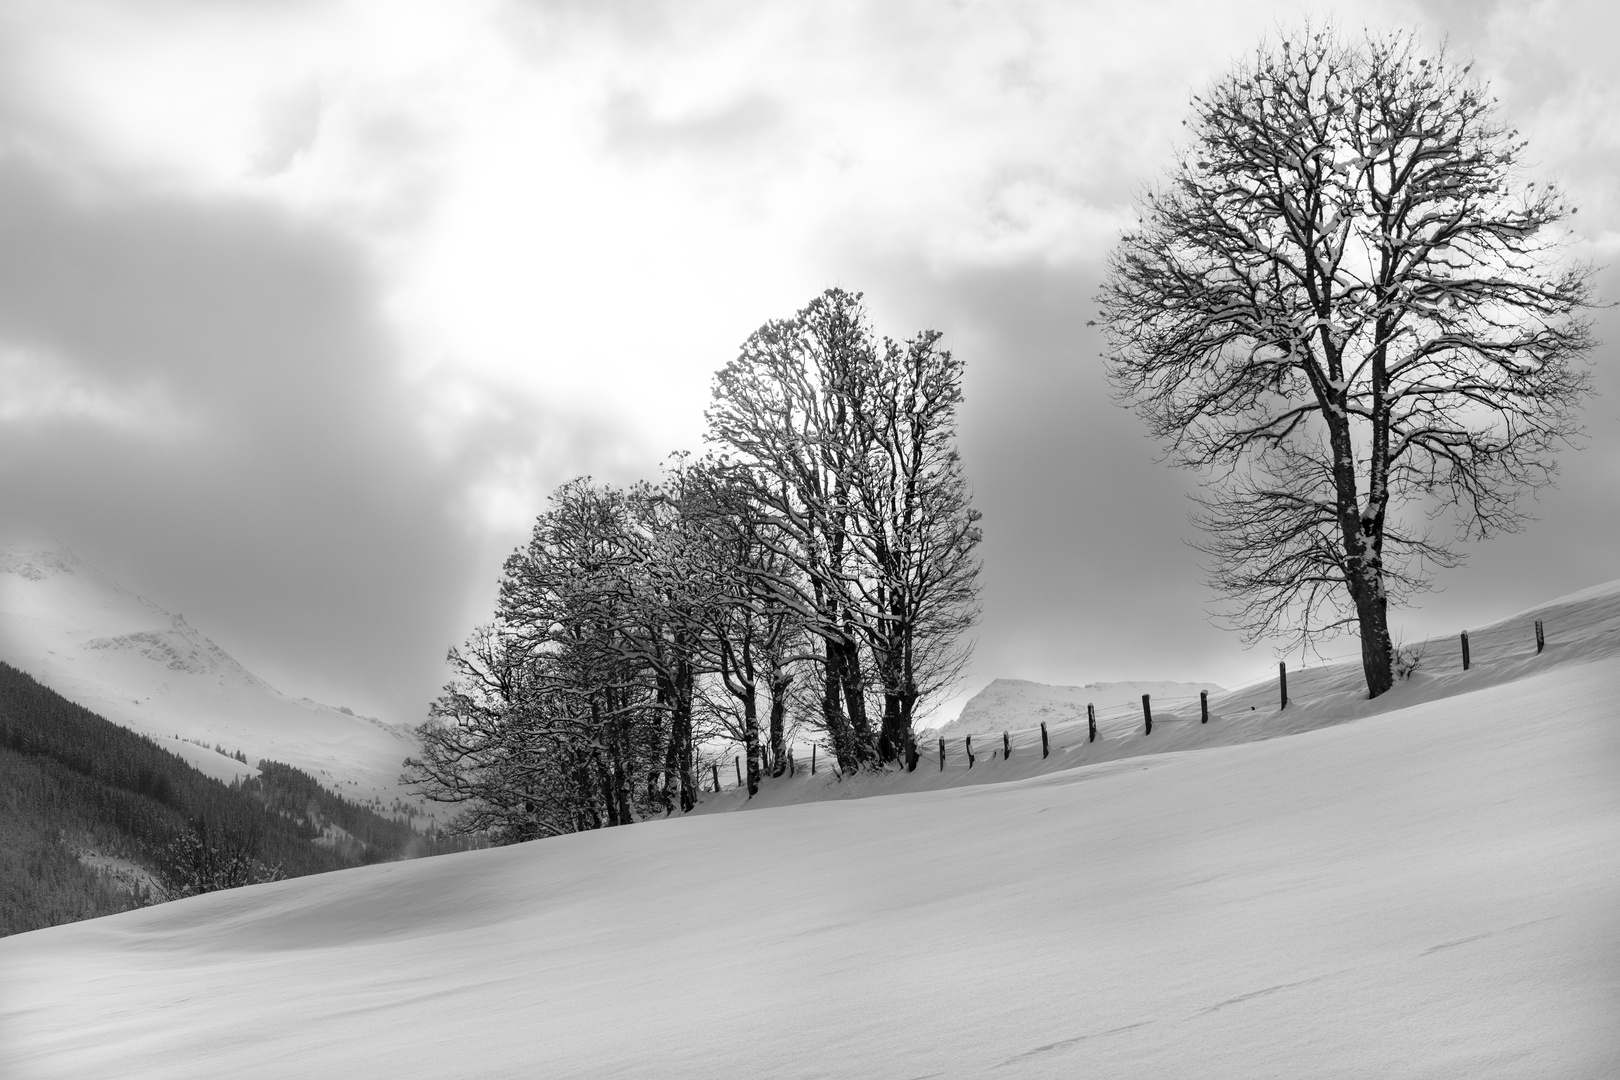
1018, 703
125, 658
95, 818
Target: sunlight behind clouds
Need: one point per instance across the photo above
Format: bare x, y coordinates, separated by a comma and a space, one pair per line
590, 205
460, 253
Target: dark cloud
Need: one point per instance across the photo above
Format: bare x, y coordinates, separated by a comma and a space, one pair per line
295, 513
1089, 573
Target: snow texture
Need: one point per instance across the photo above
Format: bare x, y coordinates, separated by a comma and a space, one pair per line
123, 657
1425, 887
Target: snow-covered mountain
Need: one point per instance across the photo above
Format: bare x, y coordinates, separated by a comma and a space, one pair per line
1008, 704
120, 655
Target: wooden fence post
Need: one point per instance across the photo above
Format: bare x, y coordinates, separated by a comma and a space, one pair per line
1006, 746
1046, 747
813, 759
1541, 640
791, 769
942, 753
1203, 706
1465, 649
1091, 723
1282, 682
737, 761
715, 765
970, 751
1147, 714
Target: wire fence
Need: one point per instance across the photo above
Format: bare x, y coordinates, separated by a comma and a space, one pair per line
728, 772
1091, 723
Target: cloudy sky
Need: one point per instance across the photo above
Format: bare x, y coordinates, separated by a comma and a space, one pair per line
305, 307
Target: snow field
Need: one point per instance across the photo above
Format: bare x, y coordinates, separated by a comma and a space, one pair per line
1429, 892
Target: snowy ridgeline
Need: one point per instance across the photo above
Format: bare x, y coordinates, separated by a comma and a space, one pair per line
1427, 889
1018, 703
125, 658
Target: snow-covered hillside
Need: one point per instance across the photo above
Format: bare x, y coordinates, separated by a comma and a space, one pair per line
1427, 888
1019, 703
120, 655
1579, 628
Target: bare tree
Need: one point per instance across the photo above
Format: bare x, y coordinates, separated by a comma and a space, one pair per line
1346, 308
556, 720
567, 596
584, 703
756, 640
783, 419
209, 859
914, 530
669, 597
846, 448
510, 753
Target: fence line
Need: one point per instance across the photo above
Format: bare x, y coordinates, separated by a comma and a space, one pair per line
1502, 641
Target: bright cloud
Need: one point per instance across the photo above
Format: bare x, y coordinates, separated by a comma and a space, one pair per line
555, 219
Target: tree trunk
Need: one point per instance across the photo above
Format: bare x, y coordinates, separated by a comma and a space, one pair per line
899, 702
618, 740
603, 783
1377, 650
832, 709
587, 811
626, 789
684, 679
779, 692
665, 793
751, 740
894, 668
892, 740
849, 670
1361, 537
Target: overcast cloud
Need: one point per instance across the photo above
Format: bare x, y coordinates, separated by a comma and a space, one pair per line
305, 308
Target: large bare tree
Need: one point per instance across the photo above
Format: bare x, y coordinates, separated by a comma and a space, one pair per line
915, 531
784, 419
846, 447
1346, 306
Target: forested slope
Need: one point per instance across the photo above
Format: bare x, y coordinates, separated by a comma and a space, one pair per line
98, 819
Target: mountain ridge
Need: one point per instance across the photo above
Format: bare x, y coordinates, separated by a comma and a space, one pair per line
97, 643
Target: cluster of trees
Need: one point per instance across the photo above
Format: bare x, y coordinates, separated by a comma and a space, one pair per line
42, 881
816, 568
1346, 308
357, 834
201, 860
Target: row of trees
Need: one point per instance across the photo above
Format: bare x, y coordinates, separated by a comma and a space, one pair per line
815, 568
1345, 308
